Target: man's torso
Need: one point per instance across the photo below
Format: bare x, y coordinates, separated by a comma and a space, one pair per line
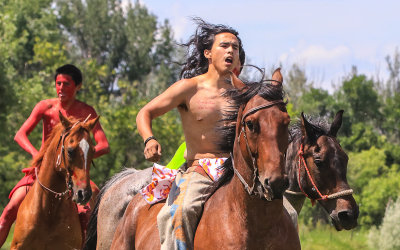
201, 115
77, 110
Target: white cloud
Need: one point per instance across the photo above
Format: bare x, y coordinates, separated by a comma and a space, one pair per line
316, 54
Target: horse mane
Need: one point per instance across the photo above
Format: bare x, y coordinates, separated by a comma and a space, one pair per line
55, 132
319, 125
227, 125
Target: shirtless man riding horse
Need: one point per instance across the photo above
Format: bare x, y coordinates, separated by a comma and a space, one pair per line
68, 80
214, 51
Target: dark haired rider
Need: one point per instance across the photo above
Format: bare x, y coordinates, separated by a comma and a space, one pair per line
214, 51
68, 80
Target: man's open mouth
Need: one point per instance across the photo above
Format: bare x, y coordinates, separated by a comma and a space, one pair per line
229, 60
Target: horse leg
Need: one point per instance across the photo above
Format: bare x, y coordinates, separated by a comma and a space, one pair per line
9, 214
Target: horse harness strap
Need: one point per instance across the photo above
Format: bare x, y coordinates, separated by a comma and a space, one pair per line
258, 108
56, 194
322, 197
251, 190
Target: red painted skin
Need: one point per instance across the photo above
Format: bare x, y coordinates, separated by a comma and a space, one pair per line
47, 110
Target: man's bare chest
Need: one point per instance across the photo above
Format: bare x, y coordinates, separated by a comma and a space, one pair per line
207, 106
51, 115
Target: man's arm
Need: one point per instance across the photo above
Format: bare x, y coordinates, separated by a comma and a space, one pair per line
102, 146
21, 137
168, 100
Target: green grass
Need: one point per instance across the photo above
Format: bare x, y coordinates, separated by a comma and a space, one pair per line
322, 237
325, 237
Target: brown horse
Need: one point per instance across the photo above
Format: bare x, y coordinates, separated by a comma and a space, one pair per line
246, 211
48, 217
316, 165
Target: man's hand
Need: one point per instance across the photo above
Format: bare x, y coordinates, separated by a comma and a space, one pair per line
152, 151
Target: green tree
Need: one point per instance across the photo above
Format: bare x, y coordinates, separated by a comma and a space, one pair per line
386, 236
296, 84
359, 99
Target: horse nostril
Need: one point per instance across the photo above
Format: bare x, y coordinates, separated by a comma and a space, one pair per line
345, 215
266, 182
80, 194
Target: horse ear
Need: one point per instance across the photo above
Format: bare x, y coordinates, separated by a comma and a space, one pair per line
64, 121
307, 130
236, 82
90, 124
336, 124
277, 78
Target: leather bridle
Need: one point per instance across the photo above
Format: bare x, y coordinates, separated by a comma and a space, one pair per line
60, 157
301, 163
251, 190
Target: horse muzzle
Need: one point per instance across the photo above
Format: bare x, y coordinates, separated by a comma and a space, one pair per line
345, 219
81, 196
273, 188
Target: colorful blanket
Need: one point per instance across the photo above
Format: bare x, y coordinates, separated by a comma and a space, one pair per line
163, 177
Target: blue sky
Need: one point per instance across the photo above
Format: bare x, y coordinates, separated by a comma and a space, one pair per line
325, 37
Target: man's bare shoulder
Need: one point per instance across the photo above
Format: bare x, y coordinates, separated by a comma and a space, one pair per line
85, 107
46, 104
185, 84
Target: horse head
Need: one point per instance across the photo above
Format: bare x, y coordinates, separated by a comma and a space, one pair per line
75, 157
262, 137
321, 172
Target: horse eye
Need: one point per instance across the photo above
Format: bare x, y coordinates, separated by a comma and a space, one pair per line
71, 153
250, 125
318, 162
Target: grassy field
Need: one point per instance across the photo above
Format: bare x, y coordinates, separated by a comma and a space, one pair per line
319, 238
327, 238
7, 244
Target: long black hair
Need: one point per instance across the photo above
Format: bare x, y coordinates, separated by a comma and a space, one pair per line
203, 39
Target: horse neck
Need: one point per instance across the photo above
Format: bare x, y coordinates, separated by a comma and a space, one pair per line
291, 169
251, 207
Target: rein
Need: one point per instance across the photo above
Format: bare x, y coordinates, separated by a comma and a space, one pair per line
58, 164
315, 188
251, 190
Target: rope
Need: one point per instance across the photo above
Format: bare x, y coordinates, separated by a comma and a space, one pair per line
322, 197
56, 194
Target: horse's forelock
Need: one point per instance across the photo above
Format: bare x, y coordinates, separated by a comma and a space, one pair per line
319, 125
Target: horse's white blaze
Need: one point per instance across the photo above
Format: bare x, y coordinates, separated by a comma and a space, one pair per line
84, 145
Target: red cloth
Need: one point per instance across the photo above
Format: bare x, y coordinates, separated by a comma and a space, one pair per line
27, 180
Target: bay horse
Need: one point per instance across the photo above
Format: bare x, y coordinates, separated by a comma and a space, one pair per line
316, 166
246, 211
48, 216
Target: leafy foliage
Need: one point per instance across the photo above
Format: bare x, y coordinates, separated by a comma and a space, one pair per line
386, 236
127, 57
122, 51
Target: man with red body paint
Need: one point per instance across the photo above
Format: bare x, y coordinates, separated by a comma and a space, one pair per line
68, 80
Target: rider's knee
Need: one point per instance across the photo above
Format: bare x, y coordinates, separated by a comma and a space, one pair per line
189, 210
